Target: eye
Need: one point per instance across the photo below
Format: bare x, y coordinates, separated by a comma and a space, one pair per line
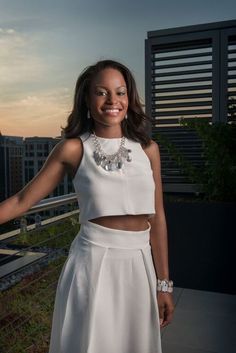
121, 93
101, 93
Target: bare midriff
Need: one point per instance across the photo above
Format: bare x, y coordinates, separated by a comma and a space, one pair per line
124, 222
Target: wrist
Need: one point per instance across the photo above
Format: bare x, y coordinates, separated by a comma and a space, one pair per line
164, 285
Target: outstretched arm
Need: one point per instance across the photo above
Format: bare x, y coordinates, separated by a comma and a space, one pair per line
64, 157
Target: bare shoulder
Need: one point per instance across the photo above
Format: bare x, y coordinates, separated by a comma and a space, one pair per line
152, 151
70, 152
71, 145
67, 148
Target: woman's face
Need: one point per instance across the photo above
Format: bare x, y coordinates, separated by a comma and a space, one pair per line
108, 100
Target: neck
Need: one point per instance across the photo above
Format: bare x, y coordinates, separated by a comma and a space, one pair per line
108, 132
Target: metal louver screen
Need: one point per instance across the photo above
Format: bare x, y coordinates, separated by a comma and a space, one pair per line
190, 73
231, 83
189, 146
181, 82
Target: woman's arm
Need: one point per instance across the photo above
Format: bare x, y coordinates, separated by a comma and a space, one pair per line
158, 237
64, 157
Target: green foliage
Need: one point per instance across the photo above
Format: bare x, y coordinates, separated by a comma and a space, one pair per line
26, 309
217, 175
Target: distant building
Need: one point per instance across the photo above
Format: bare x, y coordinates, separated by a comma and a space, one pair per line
21, 159
37, 150
11, 165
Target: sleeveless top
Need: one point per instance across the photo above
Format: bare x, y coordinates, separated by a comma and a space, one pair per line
126, 191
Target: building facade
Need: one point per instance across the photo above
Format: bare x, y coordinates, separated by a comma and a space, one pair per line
11, 165
21, 159
190, 73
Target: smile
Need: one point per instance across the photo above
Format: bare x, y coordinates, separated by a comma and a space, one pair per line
111, 111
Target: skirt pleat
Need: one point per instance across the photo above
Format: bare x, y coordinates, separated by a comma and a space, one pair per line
106, 294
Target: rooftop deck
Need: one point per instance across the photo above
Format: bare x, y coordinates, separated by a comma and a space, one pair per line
204, 322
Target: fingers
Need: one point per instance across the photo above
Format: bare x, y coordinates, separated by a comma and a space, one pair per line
166, 309
161, 314
168, 316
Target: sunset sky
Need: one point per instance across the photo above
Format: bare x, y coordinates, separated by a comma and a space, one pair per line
45, 44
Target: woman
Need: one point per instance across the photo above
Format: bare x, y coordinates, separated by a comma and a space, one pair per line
114, 292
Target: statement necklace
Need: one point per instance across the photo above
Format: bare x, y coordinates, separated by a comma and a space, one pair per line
110, 162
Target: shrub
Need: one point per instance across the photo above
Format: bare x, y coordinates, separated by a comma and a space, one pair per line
217, 175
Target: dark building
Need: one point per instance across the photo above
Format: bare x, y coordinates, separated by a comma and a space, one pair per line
11, 165
21, 159
190, 74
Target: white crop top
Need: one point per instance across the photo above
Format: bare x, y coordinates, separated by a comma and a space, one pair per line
126, 191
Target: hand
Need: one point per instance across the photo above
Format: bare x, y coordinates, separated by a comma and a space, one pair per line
166, 308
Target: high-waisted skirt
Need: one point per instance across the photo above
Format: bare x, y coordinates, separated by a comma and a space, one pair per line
106, 295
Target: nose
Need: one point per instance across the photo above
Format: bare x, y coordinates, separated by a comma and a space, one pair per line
111, 98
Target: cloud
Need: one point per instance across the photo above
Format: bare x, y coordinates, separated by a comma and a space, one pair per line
18, 61
30, 102
40, 115
7, 31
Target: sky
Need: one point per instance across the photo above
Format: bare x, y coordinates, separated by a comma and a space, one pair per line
44, 45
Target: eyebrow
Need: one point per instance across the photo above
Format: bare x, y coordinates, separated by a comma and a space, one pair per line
101, 86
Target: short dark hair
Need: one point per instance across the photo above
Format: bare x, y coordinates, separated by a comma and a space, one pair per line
134, 127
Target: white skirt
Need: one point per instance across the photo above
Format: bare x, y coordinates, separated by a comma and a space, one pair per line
106, 295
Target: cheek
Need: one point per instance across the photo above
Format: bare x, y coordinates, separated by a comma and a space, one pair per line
126, 103
95, 102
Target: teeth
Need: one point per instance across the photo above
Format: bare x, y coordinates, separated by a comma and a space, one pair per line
112, 110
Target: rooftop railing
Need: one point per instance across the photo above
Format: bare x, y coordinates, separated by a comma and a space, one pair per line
31, 258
